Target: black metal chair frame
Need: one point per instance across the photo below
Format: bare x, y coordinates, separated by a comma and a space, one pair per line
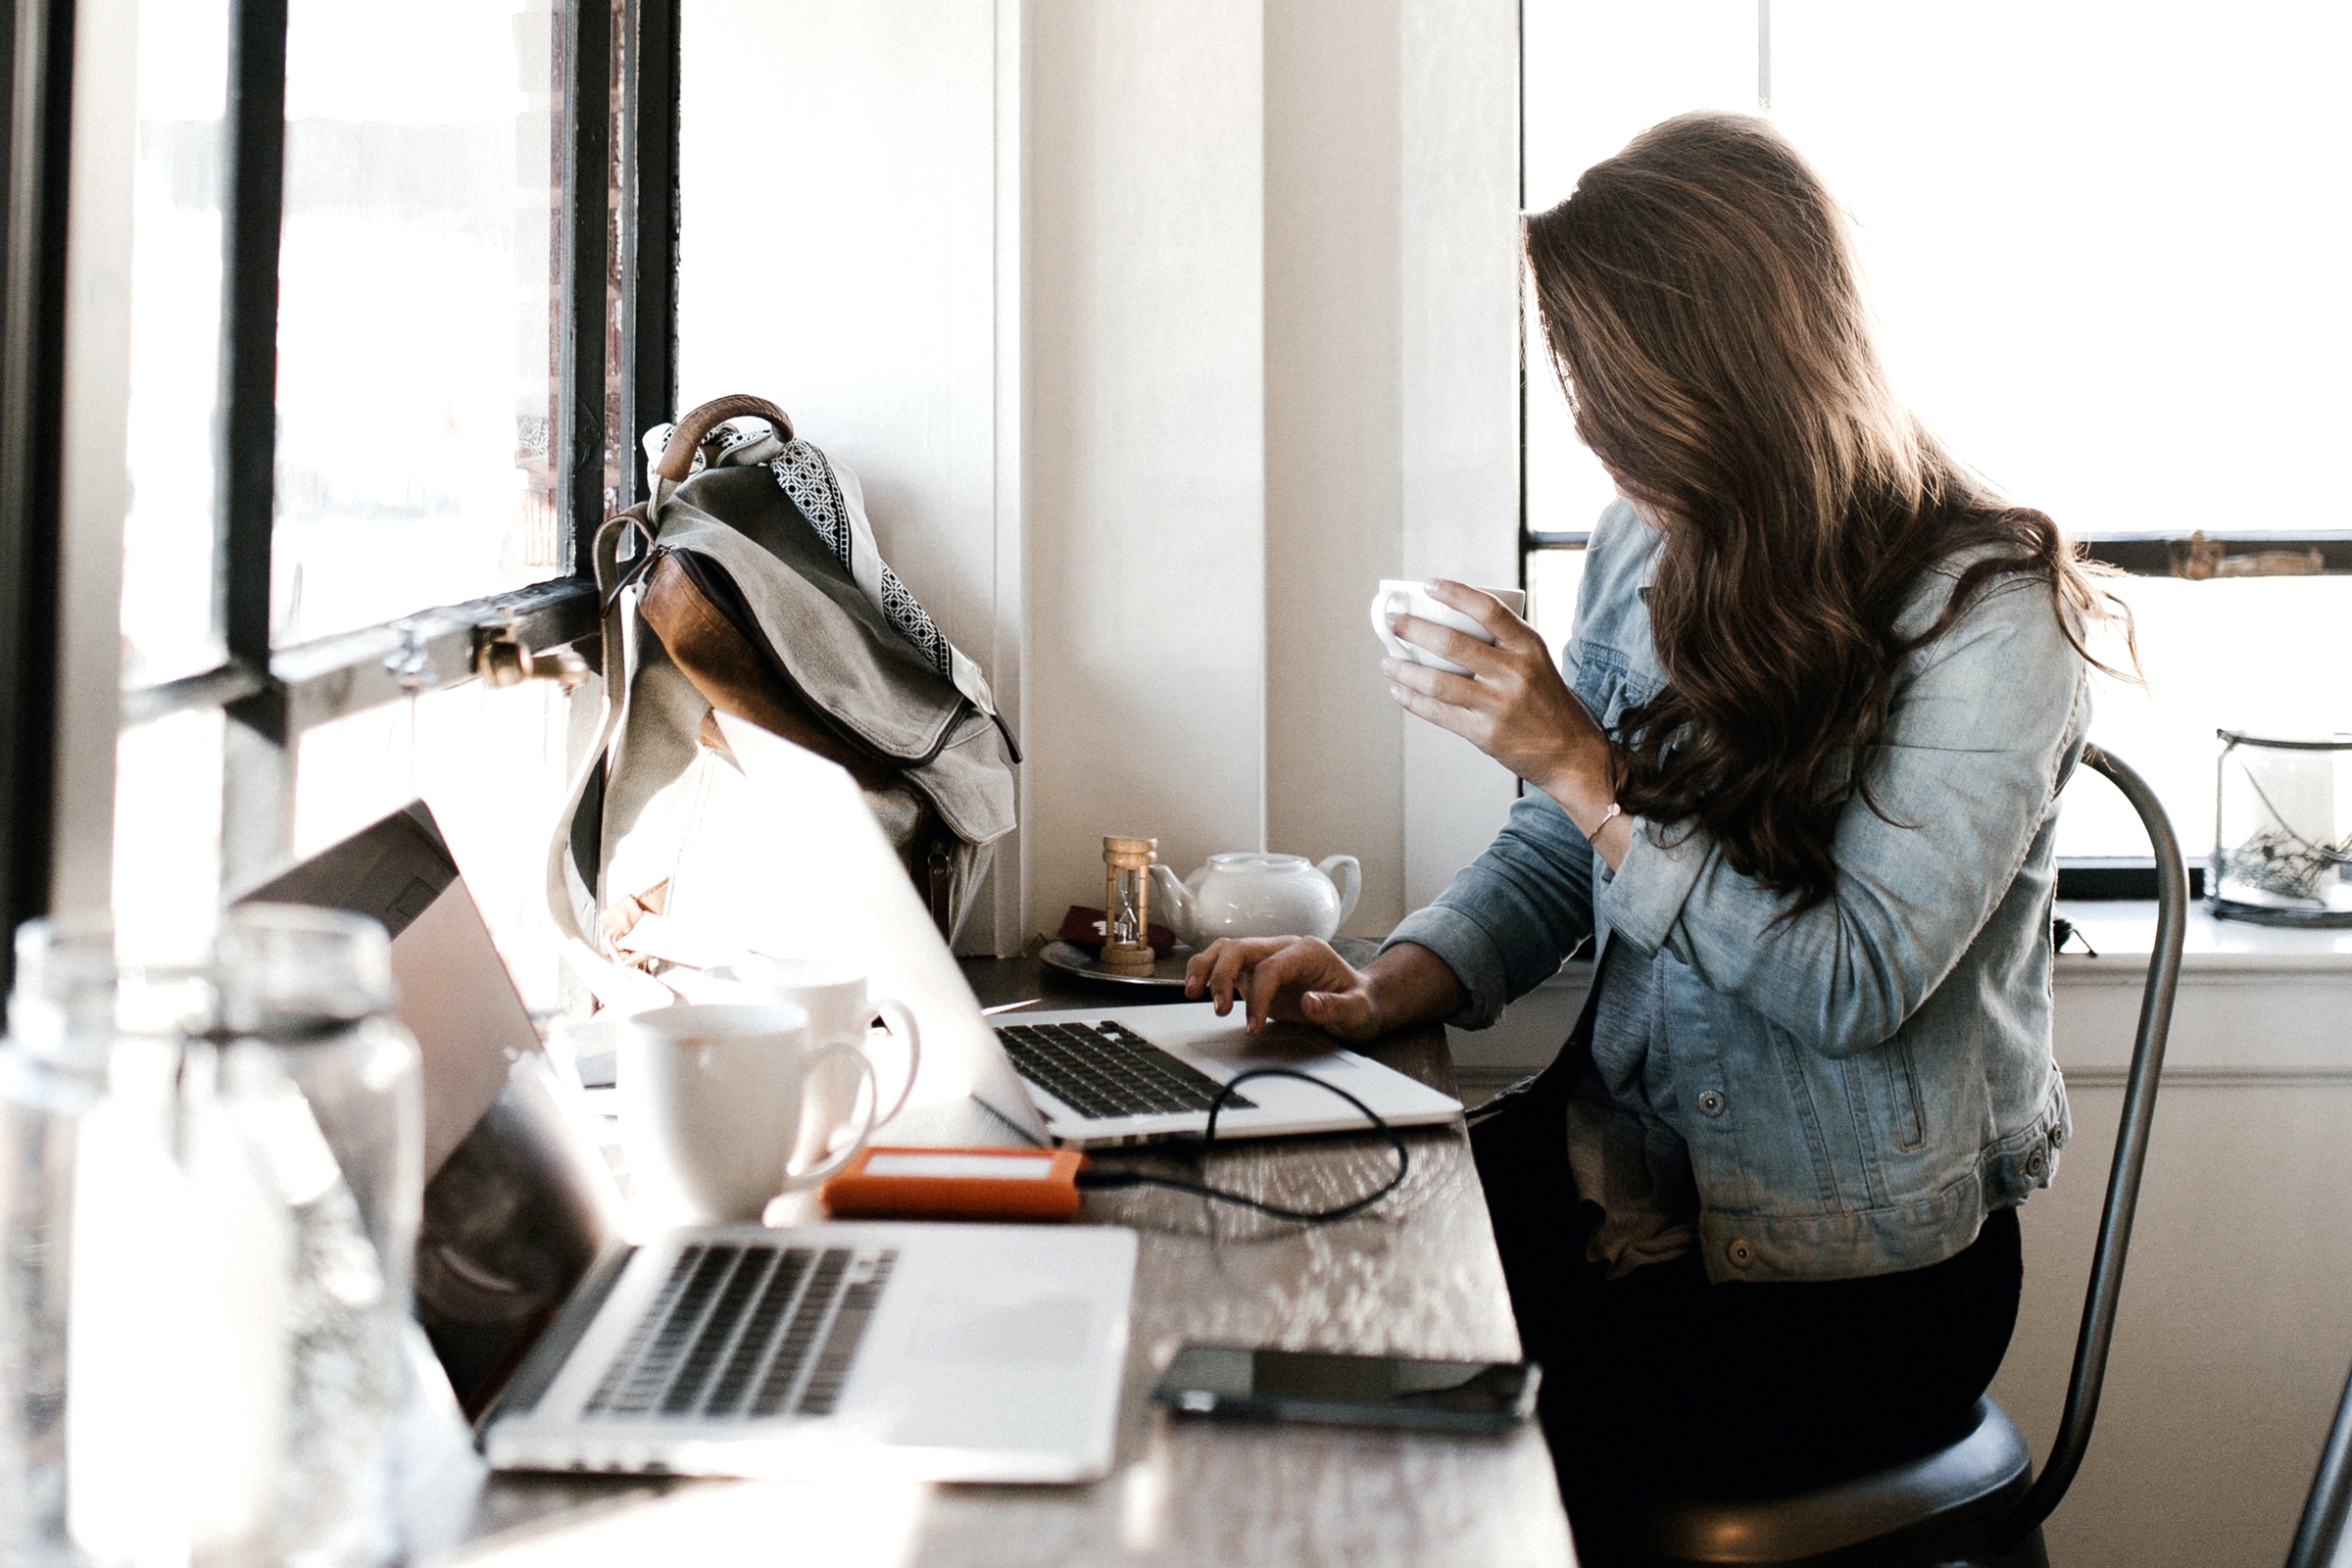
2321, 1530
2095, 1340
1992, 1531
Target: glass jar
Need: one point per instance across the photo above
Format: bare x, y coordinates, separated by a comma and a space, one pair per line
61, 1024
2282, 831
305, 999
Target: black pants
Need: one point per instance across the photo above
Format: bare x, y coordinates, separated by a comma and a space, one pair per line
1660, 1376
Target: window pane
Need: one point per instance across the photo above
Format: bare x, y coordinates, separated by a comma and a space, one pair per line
420, 309
168, 626
1595, 73
2107, 246
2104, 256
1553, 577
167, 834
2259, 654
492, 765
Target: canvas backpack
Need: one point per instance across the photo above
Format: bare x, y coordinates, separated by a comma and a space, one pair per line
749, 583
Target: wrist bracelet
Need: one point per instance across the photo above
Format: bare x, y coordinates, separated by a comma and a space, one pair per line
1614, 811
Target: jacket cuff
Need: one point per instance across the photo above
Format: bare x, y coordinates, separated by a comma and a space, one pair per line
1644, 897
1466, 948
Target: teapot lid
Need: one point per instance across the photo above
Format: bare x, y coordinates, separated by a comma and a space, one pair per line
1257, 861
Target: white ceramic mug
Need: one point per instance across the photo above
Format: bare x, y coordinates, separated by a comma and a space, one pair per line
712, 1102
1398, 597
834, 994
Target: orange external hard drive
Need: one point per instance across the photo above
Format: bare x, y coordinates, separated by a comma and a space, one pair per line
957, 1183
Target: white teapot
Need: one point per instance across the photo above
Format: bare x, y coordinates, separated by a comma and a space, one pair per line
1249, 894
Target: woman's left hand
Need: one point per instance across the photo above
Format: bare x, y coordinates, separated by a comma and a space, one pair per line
1513, 704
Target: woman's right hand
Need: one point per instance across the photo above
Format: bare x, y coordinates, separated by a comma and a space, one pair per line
1287, 980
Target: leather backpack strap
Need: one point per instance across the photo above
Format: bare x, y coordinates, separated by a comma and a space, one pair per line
696, 425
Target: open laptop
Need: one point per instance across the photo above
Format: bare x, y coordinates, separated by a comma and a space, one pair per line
1086, 1078
944, 1353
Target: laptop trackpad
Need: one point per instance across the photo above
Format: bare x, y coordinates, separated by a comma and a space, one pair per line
999, 1374
982, 1334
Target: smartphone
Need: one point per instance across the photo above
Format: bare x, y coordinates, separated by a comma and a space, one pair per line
1365, 1391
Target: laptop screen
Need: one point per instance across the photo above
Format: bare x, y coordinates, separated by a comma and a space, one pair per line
518, 1201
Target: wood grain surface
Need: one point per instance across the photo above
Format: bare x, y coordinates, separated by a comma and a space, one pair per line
1415, 1276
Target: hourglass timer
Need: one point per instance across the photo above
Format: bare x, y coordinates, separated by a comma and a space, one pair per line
1127, 904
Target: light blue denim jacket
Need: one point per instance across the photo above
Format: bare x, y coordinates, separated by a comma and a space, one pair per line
1862, 1084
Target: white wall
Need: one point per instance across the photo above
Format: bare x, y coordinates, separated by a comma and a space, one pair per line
1458, 444
1273, 243
1159, 333
840, 255
1334, 505
1145, 446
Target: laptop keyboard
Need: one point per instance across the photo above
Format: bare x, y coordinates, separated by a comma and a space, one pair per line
746, 1331
1104, 1070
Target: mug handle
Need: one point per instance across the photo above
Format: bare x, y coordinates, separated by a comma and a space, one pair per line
1382, 603
793, 1182
901, 1027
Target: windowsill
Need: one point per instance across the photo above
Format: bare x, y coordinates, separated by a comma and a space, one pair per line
2122, 932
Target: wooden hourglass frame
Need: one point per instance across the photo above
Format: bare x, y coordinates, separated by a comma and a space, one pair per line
1127, 904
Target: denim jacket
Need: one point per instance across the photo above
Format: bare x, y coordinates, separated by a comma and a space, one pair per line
1863, 1083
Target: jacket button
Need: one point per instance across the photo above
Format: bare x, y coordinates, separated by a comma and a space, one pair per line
1741, 1254
1710, 1101
2033, 1164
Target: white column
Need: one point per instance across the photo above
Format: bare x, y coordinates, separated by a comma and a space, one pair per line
1335, 742
1143, 465
1459, 449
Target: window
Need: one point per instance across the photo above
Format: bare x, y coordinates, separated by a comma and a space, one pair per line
386, 345
2103, 247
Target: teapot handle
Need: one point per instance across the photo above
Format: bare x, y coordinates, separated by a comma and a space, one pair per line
1172, 903
1350, 887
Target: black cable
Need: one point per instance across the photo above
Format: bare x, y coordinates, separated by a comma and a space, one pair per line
1101, 1180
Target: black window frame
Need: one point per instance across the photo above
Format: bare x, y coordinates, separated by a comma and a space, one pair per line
271, 695
38, 69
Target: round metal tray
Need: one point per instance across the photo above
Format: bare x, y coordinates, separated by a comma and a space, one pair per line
1073, 960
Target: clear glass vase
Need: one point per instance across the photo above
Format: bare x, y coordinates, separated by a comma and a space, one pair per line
2282, 831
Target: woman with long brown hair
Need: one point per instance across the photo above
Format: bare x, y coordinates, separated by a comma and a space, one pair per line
1796, 777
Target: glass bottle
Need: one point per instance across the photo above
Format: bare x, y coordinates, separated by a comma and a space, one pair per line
179, 1355
60, 1021
330, 1085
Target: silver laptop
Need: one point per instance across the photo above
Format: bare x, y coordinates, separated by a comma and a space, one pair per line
1088, 1077
940, 1352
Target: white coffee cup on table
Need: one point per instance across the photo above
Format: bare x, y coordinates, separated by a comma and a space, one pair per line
1399, 597
839, 1012
712, 1101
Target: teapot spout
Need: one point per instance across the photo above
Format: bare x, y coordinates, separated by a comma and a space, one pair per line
1172, 902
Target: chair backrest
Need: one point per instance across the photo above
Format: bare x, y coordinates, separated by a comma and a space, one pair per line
2097, 1334
2323, 1526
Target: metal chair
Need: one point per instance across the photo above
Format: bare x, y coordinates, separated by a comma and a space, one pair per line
2323, 1528
1974, 1502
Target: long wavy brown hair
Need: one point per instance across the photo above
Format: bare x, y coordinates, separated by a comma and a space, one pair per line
1704, 309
